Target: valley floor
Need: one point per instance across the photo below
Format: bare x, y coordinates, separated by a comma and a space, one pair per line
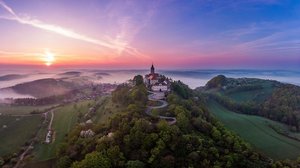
257, 131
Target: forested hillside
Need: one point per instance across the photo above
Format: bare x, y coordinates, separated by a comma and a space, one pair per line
284, 106
267, 98
133, 139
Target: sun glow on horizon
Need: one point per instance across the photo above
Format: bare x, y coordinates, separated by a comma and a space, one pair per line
49, 58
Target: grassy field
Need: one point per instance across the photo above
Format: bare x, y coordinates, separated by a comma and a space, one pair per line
18, 131
257, 132
64, 120
20, 110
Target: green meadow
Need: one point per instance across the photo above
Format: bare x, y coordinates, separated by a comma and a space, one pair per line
16, 131
256, 131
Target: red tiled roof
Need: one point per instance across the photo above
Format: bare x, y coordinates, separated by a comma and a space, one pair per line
152, 76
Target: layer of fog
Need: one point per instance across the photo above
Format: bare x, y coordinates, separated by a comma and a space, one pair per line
196, 78
9, 93
193, 78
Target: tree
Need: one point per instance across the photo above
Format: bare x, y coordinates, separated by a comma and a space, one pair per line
168, 161
115, 155
135, 164
202, 125
93, 160
1, 161
133, 108
160, 145
181, 89
64, 162
138, 79
120, 95
182, 122
216, 134
139, 94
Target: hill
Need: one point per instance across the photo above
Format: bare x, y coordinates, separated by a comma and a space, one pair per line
11, 77
44, 87
271, 99
122, 134
101, 74
133, 139
70, 73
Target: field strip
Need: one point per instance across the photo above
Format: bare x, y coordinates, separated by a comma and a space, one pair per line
278, 138
244, 117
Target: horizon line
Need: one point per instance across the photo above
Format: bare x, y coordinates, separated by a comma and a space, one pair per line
82, 67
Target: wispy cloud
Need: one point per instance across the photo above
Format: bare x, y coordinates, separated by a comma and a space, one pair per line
54, 28
117, 44
131, 19
253, 41
9, 54
281, 40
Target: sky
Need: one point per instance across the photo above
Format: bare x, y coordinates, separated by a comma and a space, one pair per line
191, 34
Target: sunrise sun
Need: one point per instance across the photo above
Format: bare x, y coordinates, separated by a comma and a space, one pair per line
49, 58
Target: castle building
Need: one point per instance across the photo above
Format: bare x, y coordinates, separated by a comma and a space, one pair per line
156, 82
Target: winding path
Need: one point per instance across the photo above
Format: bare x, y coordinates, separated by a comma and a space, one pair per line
155, 97
51, 121
23, 155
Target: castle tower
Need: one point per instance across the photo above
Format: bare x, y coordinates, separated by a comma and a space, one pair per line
152, 69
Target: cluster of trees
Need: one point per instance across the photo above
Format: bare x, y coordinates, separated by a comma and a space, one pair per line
248, 107
138, 79
37, 102
181, 89
244, 88
133, 139
120, 95
45, 100
216, 82
126, 95
284, 106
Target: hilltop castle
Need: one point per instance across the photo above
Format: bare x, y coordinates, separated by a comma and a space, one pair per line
156, 82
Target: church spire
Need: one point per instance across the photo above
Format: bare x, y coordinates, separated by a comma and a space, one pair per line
152, 69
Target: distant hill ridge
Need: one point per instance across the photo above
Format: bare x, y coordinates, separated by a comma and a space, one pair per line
70, 73
223, 81
11, 77
44, 87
